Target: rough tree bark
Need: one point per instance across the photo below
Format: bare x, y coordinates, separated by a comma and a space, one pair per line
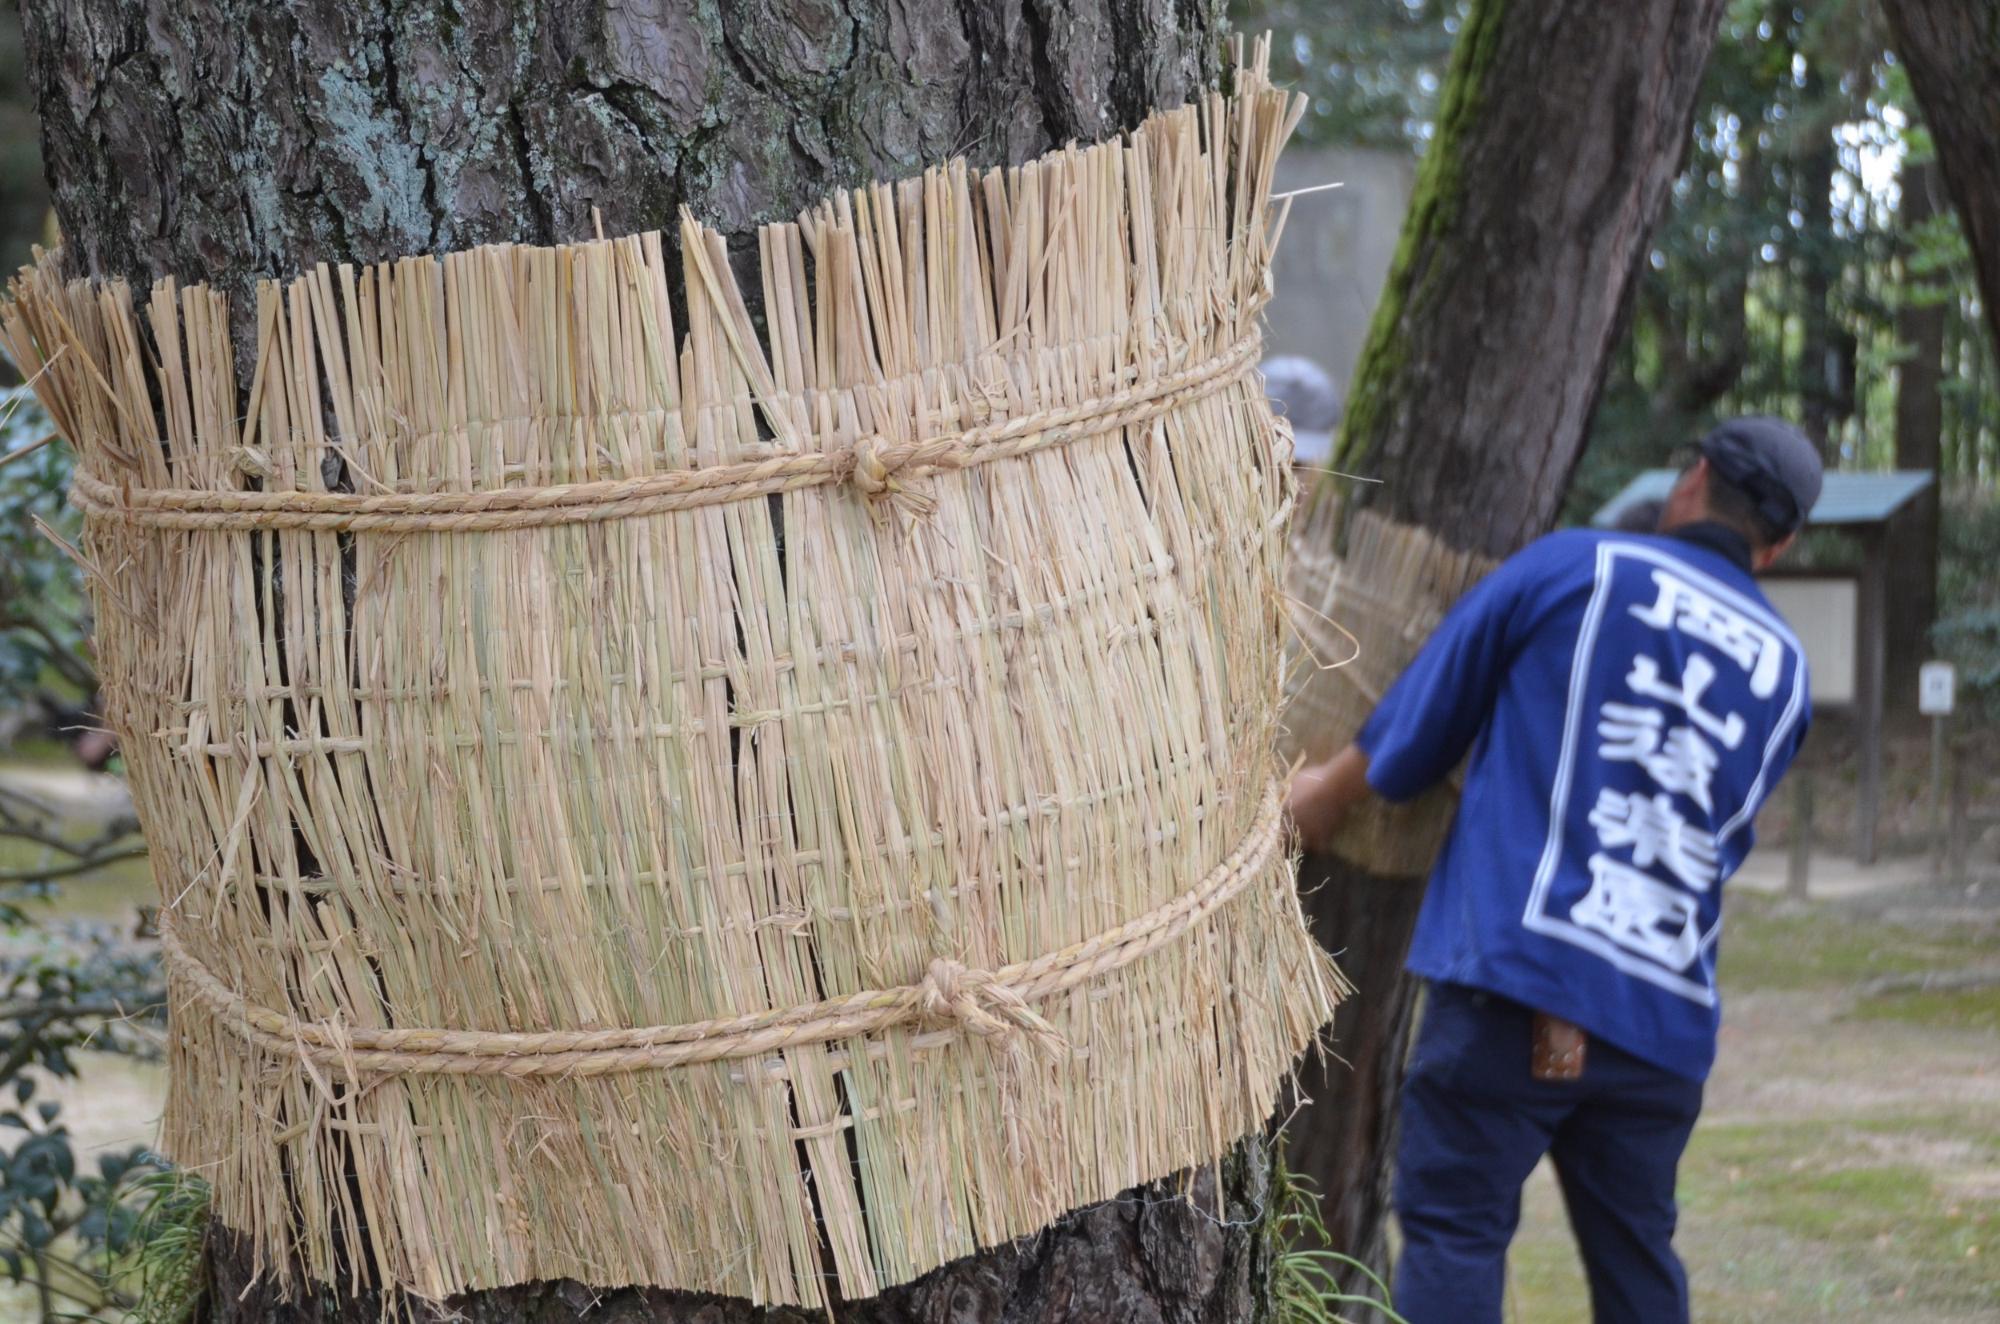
230, 140
1952, 48
235, 139
1561, 130
1144, 1258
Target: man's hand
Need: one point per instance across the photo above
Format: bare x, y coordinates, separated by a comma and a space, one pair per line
1323, 793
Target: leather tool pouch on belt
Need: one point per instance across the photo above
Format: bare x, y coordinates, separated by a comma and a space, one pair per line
1559, 1048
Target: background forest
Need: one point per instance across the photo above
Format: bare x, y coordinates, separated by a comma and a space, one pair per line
1810, 265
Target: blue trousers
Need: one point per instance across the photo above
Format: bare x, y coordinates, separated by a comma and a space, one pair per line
1475, 1123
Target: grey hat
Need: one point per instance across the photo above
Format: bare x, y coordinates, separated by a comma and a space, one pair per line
1304, 393
1770, 461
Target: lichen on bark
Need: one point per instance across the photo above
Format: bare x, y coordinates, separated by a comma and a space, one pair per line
232, 139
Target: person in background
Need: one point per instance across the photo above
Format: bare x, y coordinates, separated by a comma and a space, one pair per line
1307, 398
1628, 701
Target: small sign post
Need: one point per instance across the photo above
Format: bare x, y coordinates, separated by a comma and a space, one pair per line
1937, 693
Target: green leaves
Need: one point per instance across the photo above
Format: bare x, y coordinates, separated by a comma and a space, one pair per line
1372, 69
1311, 1283
65, 987
44, 616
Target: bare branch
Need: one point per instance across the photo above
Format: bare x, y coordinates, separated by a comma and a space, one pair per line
82, 865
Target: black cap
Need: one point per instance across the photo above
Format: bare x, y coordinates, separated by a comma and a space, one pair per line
1771, 462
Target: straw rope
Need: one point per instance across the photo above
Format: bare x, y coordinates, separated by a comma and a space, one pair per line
874, 464
993, 1004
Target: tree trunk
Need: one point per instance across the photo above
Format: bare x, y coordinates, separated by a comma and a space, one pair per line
1919, 445
1813, 258
1148, 1257
1952, 48
231, 140
235, 139
1561, 131
1343, 1140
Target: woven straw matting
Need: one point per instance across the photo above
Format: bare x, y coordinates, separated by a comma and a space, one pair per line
646, 799
1366, 592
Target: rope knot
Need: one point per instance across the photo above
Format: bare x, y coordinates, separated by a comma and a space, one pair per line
872, 468
951, 994
872, 473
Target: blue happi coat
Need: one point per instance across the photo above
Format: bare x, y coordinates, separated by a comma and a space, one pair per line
1629, 701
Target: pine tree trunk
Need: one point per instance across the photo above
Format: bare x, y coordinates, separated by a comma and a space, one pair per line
230, 140
1563, 125
236, 139
1952, 48
1147, 1257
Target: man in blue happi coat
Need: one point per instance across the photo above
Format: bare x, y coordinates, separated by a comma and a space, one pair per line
1628, 702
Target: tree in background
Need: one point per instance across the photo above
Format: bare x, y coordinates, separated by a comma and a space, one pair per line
1921, 308
24, 198
1804, 271
1758, 277
1952, 49
1559, 133
1796, 271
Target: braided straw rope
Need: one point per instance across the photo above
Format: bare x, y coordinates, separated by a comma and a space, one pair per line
875, 465
994, 1004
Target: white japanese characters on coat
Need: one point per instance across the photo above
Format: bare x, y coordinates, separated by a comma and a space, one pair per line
1657, 834
1673, 740
1677, 758
1699, 616
1640, 913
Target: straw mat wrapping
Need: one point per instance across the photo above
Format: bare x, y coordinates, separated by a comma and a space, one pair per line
643, 797
1365, 593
